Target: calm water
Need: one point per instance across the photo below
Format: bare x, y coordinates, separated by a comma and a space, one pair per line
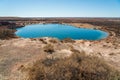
59, 31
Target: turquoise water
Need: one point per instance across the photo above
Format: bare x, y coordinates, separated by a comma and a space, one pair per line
59, 31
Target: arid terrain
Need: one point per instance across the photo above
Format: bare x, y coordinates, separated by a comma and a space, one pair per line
25, 59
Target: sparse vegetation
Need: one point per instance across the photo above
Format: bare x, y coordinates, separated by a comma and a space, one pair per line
53, 40
77, 67
6, 33
49, 48
68, 40
45, 42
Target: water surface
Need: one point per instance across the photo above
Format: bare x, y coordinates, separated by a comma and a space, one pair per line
59, 31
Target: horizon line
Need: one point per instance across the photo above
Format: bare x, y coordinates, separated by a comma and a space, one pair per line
51, 17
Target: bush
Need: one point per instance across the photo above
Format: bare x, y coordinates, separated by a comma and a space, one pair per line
68, 40
6, 33
49, 48
53, 40
77, 67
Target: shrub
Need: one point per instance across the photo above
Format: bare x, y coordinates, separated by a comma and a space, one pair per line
53, 40
77, 67
68, 40
49, 48
6, 33
43, 40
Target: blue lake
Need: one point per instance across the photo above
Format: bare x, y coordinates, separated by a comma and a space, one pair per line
59, 31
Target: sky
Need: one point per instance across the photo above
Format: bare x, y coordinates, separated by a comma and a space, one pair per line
60, 8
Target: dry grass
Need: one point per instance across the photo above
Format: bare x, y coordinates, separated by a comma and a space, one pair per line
77, 67
6, 33
49, 48
68, 40
54, 41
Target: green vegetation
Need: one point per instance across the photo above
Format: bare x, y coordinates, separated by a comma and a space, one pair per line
77, 67
6, 33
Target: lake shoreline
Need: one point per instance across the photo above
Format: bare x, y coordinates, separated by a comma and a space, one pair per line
57, 31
